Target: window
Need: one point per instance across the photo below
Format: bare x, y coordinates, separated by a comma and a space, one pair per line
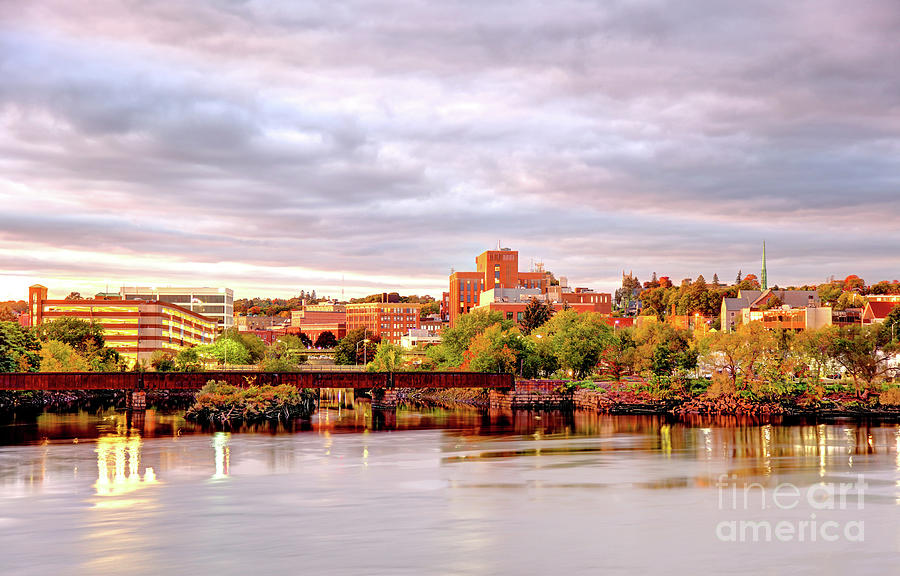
509, 315
518, 316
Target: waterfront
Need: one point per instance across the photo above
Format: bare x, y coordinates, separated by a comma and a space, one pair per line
434, 491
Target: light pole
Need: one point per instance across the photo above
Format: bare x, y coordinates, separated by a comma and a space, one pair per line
363, 341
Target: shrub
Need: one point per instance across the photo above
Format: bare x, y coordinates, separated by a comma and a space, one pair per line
219, 402
891, 396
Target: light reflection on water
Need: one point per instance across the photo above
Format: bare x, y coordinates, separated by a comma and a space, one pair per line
423, 491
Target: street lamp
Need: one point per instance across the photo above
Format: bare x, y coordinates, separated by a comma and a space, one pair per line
363, 341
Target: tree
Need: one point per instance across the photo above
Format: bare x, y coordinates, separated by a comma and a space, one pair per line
349, 351
853, 282
60, 357
662, 350
306, 340
813, 347
188, 360
79, 334
388, 358
289, 348
738, 353
253, 344
431, 308
86, 338
493, 350
830, 292
863, 352
890, 328
850, 300
536, 313
574, 342
74, 296
750, 282
19, 349
619, 354
326, 340
455, 340
739, 278
278, 364
163, 361
224, 349
715, 281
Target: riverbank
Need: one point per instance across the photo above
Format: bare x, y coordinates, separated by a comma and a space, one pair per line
89, 399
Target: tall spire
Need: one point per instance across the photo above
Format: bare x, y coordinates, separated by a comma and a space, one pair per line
763, 279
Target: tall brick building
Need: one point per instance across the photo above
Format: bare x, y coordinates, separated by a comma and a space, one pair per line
498, 271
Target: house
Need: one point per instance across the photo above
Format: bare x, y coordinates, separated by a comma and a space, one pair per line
876, 311
776, 309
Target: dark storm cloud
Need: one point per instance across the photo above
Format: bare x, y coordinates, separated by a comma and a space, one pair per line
337, 137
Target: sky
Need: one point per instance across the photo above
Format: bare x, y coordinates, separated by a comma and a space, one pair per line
371, 146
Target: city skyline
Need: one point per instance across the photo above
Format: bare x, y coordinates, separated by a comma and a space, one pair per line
298, 146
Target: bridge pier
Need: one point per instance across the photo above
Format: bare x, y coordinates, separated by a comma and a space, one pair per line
135, 400
384, 398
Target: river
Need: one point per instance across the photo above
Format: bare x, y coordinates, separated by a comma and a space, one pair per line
447, 491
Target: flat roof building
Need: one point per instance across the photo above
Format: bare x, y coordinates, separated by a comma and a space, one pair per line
215, 303
389, 321
134, 328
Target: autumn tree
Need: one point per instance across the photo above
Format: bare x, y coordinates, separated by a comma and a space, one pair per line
60, 357
456, 339
536, 313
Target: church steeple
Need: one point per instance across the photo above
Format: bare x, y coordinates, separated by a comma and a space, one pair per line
763, 281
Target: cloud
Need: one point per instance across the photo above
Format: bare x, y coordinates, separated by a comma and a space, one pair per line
372, 140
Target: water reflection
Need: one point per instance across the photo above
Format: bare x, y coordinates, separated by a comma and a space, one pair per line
463, 490
119, 465
222, 454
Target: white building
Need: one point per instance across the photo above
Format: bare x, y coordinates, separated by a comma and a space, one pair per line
217, 303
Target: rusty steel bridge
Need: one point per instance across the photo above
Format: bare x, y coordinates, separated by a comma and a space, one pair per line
146, 381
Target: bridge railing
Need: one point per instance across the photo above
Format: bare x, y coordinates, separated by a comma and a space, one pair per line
57, 381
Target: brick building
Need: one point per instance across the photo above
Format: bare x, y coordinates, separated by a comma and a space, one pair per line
389, 321
497, 284
134, 328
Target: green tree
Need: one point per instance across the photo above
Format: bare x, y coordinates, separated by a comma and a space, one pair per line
188, 360
813, 348
493, 350
738, 354
850, 300
890, 328
19, 349
829, 293
536, 313
163, 361
574, 342
222, 350
388, 358
348, 350
433, 307
326, 340
864, 352
619, 354
455, 340
253, 344
86, 338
